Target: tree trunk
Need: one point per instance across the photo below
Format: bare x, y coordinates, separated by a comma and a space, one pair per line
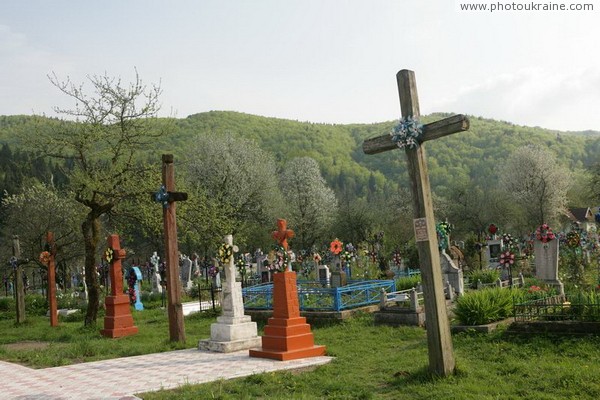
91, 230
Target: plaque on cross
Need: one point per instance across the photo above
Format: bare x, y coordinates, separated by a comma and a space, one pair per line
441, 356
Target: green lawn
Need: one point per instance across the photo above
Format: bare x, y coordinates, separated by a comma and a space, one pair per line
371, 362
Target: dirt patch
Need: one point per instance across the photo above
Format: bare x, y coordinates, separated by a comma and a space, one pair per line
27, 345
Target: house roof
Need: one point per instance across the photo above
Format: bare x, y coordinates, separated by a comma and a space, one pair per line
580, 214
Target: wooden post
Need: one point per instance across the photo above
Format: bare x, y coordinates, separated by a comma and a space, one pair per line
52, 279
439, 340
174, 307
18, 276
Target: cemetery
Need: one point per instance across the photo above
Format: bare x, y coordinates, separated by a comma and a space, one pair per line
442, 306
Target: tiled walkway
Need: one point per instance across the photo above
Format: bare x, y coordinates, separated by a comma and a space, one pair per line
123, 377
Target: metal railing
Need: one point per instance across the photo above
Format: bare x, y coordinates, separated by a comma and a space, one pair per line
312, 296
558, 308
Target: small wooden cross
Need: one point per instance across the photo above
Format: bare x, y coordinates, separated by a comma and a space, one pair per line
16, 262
52, 304
441, 356
282, 234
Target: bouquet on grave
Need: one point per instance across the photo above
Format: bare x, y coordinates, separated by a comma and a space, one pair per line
279, 259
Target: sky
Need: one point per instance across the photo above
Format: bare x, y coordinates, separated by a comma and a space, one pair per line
330, 61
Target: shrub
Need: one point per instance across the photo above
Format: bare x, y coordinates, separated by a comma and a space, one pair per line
7, 304
408, 282
485, 276
484, 306
36, 304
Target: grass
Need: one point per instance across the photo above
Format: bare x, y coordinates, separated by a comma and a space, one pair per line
71, 342
371, 362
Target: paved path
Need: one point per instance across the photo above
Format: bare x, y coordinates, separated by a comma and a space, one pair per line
121, 378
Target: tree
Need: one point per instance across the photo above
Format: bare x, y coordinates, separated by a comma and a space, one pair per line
111, 126
311, 204
534, 180
235, 186
35, 211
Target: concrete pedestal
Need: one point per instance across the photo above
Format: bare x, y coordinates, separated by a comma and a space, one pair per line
287, 335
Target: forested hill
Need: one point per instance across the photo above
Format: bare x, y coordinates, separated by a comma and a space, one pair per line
473, 156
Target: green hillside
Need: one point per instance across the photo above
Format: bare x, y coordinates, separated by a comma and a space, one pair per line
468, 157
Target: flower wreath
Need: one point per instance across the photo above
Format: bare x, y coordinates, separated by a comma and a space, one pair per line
544, 233
281, 260
573, 239
407, 133
507, 258
397, 258
241, 265
336, 247
508, 241
225, 253
45, 257
131, 281
346, 256
109, 255
443, 229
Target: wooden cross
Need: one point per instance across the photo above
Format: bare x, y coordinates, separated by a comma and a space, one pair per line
174, 307
282, 234
441, 355
51, 248
18, 286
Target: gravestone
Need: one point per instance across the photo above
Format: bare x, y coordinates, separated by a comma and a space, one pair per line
324, 275
452, 274
338, 279
233, 330
546, 263
155, 277
411, 136
492, 252
287, 336
118, 321
138, 288
186, 273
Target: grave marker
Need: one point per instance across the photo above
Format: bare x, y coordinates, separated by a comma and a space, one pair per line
441, 355
51, 249
19, 288
118, 321
168, 197
233, 330
287, 336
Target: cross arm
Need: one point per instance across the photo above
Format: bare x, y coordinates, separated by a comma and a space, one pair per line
433, 130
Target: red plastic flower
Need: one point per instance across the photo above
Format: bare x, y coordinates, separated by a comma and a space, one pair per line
336, 247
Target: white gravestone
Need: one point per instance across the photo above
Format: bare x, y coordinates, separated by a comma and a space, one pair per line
546, 263
492, 252
324, 275
156, 286
233, 330
452, 274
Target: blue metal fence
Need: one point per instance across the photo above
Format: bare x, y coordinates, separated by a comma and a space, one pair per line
312, 296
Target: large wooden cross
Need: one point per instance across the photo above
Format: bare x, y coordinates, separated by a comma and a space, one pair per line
174, 306
441, 355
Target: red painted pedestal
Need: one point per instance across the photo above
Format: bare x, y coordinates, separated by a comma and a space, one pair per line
118, 321
287, 335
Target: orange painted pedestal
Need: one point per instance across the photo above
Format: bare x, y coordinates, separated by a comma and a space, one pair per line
287, 335
118, 321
